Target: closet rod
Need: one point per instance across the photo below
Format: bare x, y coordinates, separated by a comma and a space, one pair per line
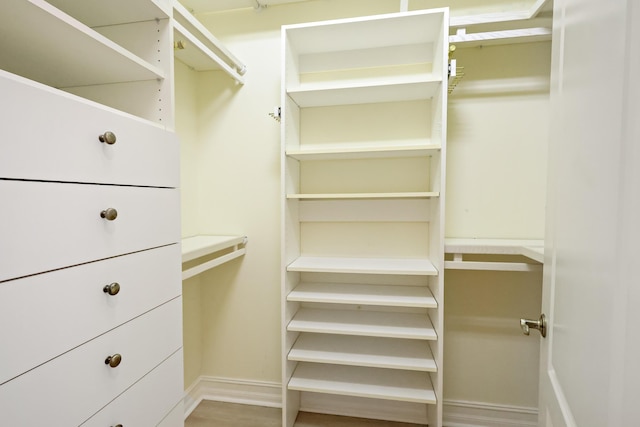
213, 263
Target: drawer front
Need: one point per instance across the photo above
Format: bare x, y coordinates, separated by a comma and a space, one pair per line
71, 388
40, 330
148, 401
175, 418
51, 225
64, 145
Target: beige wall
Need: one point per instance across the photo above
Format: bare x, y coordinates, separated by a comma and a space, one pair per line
231, 186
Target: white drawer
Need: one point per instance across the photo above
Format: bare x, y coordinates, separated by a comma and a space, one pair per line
71, 388
148, 401
45, 226
37, 329
175, 418
50, 135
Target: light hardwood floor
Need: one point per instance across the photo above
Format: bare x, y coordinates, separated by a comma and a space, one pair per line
218, 414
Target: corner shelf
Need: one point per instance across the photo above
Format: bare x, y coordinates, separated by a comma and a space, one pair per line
202, 246
532, 249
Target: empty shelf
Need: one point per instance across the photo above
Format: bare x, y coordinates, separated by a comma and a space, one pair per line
363, 152
409, 266
318, 95
44, 44
403, 195
363, 323
203, 245
348, 293
364, 351
363, 382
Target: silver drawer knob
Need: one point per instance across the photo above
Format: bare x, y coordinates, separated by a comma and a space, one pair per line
109, 214
112, 289
108, 138
113, 361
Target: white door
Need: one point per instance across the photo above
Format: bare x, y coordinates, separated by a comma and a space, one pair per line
590, 360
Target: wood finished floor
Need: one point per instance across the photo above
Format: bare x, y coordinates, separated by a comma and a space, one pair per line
219, 414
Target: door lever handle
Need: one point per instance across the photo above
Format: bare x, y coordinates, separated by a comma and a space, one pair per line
540, 325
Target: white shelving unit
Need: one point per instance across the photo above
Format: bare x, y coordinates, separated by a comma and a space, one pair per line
363, 146
204, 252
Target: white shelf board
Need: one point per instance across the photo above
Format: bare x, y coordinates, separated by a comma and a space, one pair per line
489, 246
319, 95
395, 29
532, 249
363, 382
406, 266
202, 245
364, 152
350, 293
42, 43
363, 323
98, 13
535, 253
522, 35
391, 353
334, 196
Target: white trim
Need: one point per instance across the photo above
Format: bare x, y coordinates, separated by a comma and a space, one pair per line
459, 413
259, 393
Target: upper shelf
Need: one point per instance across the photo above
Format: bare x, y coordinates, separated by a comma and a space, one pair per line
396, 29
43, 43
98, 13
199, 49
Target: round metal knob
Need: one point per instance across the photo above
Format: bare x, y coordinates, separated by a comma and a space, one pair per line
113, 361
108, 138
109, 214
112, 289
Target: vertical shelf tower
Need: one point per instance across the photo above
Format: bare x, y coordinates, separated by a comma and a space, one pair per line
363, 166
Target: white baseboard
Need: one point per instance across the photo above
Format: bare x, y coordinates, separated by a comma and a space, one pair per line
259, 393
262, 393
457, 413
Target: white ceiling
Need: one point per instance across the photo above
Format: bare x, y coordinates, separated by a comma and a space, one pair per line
206, 6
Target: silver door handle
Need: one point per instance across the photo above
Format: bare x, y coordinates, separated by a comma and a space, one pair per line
540, 325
